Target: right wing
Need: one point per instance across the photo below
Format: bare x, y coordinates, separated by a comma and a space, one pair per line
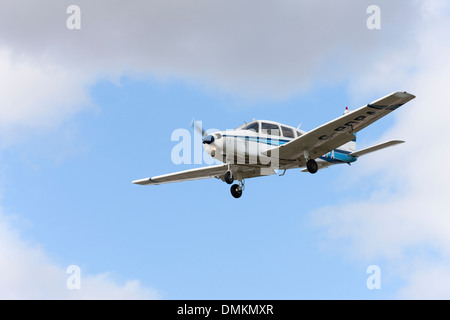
335, 133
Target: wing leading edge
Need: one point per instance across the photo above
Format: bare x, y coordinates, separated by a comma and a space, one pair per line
187, 175
217, 171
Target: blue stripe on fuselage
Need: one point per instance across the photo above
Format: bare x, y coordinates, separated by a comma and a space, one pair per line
269, 141
334, 156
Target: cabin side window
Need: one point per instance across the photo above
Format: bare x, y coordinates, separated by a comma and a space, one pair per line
270, 128
287, 132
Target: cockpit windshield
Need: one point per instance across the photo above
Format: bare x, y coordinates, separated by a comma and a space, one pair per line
253, 126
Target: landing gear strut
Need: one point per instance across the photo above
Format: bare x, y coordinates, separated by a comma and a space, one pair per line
312, 166
236, 189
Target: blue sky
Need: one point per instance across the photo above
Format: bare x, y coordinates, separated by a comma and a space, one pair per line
85, 112
190, 240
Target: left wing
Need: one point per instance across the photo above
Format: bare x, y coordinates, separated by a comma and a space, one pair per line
187, 175
335, 133
217, 171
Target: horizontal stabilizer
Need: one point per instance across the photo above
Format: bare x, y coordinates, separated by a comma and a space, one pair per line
376, 148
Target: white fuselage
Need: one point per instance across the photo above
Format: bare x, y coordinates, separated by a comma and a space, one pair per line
245, 146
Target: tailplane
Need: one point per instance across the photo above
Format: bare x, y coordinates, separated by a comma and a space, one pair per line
380, 146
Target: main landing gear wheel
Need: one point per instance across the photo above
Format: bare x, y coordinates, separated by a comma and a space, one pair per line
312, 166
229, 177
236, 191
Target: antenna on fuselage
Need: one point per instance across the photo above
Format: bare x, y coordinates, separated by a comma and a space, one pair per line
299, 125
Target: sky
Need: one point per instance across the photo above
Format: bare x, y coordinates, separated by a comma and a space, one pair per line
83, 112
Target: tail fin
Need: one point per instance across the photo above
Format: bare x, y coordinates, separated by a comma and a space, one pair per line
349, 146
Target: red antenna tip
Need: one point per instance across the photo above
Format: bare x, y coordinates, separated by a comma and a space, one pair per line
346, 108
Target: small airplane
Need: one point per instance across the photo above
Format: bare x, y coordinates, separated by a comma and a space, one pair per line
261, 148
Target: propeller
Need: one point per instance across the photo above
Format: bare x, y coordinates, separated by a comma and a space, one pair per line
207, 138
196, 126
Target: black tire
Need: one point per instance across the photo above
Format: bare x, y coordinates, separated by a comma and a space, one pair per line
236, 191
312, 166
229, 177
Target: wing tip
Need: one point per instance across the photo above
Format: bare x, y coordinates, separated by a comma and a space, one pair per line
143, 182
404, 95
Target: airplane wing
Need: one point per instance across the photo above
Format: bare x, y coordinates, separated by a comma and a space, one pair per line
333, 134
217, 171
187, 175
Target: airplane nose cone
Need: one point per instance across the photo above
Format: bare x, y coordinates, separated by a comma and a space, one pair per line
208, 139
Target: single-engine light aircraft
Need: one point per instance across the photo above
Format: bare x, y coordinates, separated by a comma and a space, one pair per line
260, 148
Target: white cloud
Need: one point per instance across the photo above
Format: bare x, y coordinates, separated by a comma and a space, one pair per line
32, 93
262, 50
248, 48
37, 94
406, 219
26, 272
427, 282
